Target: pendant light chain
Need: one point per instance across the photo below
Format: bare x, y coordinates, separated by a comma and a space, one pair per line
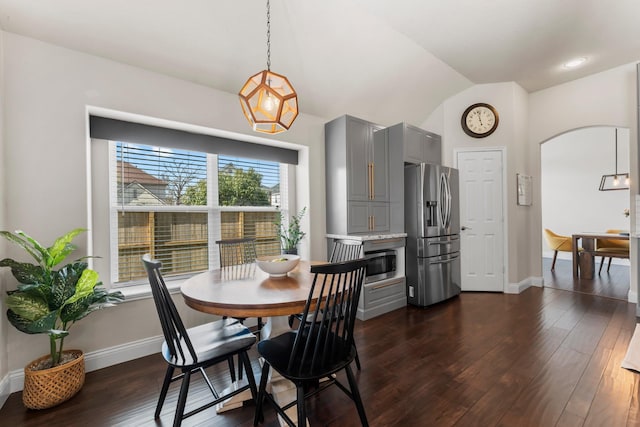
268, 100
268, 37
616, 153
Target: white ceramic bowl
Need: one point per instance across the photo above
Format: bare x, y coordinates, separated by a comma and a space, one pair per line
278, 265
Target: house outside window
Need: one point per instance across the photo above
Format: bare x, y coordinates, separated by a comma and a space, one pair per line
174, 204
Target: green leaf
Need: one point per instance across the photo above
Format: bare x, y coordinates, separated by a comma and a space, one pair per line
43, 324
75, 311
85, 285
28, 247
40, 326
99, 299
65, 282
44, 254
24, 272
19, 322
27, 306
62, 247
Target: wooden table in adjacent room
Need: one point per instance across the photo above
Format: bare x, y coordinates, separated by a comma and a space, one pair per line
585, 258
246, 291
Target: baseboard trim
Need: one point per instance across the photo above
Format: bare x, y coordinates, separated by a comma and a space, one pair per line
5, 390
95, 360
632, 296
516, 288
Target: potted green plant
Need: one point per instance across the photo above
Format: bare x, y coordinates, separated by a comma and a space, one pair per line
49, 300
290, 234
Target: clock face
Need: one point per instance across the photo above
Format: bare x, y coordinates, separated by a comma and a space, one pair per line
479, 120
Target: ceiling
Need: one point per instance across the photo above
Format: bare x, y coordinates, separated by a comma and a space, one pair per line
382, 60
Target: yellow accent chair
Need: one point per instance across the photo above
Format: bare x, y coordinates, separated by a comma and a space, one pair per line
612, 248
557, 243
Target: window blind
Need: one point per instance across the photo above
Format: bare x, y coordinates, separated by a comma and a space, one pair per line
160, 206
120, 130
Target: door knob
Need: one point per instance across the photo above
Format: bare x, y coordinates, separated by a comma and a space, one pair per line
465, 228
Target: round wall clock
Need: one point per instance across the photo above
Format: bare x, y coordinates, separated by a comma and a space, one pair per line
479, 120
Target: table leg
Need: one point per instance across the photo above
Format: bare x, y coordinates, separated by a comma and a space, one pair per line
282, 390
274, 326
574, 248
587, 267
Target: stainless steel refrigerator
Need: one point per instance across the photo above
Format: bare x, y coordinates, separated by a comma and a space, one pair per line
432, 223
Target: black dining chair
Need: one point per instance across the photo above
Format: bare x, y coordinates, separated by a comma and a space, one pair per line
320, 348
340, 251
194, 349
346, 251
238, 252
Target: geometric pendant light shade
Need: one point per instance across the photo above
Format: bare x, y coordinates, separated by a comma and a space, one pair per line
268, 100
617, 180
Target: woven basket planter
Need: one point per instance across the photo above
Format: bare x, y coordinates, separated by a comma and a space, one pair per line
47, 388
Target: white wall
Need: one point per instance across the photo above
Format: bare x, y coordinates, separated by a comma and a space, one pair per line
607, 98
510, 100
4, 355
571, 167
48, 89
527, 120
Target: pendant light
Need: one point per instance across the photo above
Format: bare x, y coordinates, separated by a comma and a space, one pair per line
617, 181
268, 100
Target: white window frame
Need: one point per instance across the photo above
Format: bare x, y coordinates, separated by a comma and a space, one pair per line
213, 210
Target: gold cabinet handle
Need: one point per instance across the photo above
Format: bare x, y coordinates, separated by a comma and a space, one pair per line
373, 181
373, 222
370, 176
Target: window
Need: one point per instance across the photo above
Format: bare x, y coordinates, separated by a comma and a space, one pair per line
176, 203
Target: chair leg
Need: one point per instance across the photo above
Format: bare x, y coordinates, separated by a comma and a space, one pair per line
601, 264
249, 370
302, 416
182, 399
356, 397
358, 361
239, 369
609, 265
260, 325
163, 391
553, 264
232, 369
259, 416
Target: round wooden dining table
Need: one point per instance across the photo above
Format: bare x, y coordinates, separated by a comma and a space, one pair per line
246, 291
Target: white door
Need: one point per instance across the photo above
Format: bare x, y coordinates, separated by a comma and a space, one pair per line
481, 220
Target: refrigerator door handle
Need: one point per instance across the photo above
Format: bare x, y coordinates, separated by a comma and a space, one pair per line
443, 201
448, 198
422, 228
446, 261
443, 242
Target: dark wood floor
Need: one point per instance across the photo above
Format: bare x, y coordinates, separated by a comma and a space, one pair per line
546, 357
611, 284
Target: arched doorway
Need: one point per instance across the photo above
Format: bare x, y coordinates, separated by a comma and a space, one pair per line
572, 165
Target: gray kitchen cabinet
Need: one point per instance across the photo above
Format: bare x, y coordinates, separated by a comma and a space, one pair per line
357, 177
419, 145
367, 161
395, 178
367, 217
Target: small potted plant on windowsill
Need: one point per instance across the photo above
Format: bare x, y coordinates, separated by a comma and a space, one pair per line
49, 301
291, 234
